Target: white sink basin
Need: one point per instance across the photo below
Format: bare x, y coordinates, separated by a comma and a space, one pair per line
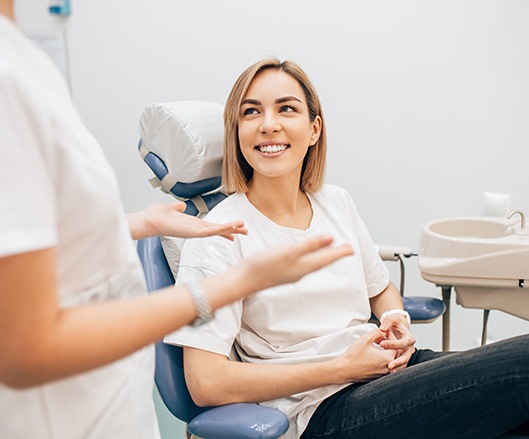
486, 260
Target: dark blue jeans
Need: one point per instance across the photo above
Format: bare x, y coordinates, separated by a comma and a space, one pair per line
480, 393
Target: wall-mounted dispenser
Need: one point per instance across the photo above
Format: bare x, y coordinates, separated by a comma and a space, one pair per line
60, 7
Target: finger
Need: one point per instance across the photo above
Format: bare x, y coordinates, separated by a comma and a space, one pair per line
401, 360
310, 246
179, 206
403, 343
240, 230
398, 363
397, 369
230, 233
375, 336
233, 227
320, 257
224, 230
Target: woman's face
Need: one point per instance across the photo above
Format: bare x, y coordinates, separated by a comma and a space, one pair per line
275, 131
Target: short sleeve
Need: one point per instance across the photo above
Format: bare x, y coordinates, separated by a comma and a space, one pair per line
27, 184
204, 257
375, 271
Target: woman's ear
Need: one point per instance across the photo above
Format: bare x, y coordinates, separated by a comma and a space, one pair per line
315, 130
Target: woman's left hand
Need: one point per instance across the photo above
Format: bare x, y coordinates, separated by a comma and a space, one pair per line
168, 219
399, 337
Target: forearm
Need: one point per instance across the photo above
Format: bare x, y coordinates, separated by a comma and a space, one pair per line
388, 299
55, 343
218, 382
40, 342
214, 380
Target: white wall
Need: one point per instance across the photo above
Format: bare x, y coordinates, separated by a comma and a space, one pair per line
427, 103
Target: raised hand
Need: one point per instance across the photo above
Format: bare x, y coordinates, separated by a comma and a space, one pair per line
290, 262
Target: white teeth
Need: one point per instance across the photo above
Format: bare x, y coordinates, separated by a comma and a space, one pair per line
272, 148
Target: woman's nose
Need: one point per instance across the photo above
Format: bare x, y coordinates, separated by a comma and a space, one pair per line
270, 124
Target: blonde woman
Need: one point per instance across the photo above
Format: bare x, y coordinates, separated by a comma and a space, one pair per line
307, 348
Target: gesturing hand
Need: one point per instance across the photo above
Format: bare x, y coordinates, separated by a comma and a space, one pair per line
290, 262
168, 219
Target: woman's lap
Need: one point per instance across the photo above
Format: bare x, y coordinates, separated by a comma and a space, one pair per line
478, 393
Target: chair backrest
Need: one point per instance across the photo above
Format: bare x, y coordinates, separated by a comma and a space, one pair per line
182, 143
169, 372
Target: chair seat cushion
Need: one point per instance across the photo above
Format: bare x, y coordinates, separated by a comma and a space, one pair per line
423, 309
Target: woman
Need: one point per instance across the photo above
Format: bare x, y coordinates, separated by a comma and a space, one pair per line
76, 326
308, 348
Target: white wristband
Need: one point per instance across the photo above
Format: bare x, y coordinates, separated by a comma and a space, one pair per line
396, 311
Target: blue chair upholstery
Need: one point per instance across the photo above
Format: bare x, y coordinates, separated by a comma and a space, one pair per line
233, 421
423, 309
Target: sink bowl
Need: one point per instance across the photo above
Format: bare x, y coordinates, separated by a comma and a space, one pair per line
470, 228
486, 260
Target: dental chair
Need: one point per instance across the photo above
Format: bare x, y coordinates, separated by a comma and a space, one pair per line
182, 144
189, 137
233, 421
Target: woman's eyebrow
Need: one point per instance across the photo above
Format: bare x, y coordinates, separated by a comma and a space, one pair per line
287, 99
277, 101
251, 101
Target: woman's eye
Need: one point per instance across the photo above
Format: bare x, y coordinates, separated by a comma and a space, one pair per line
249, 111
287, 109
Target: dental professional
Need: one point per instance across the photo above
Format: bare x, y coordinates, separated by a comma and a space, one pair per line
308, 348
76, 325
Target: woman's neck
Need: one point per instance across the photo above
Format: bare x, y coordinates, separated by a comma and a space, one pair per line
283, 202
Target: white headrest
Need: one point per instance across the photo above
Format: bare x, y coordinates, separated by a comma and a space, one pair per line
188, 136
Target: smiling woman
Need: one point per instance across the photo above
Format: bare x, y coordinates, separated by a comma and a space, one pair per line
308, 348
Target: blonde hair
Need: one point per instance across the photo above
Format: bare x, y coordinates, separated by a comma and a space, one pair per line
236, 172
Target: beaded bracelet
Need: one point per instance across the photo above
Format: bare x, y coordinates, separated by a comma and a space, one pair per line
200, 301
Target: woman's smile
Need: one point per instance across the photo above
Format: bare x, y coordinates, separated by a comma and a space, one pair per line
271, 148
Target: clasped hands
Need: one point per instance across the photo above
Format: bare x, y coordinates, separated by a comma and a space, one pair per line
397, 337
384, 350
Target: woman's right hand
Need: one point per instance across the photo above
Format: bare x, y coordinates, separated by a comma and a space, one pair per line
365, 360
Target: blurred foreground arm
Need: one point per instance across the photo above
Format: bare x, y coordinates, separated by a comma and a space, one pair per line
40, 342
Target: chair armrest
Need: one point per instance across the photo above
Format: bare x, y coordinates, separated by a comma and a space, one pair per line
239, 421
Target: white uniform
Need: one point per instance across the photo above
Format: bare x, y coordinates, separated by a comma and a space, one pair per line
313, 320
58, 190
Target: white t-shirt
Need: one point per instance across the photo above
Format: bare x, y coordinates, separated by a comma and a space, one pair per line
312, 320
57, 190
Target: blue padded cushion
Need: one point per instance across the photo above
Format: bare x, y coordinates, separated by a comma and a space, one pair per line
246, 421
423, 308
